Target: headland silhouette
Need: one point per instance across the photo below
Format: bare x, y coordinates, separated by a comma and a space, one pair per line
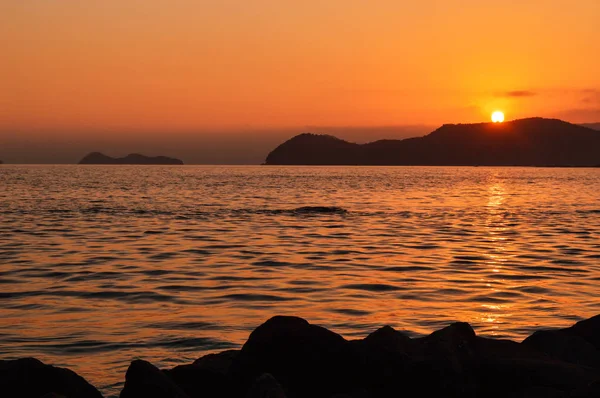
524, 142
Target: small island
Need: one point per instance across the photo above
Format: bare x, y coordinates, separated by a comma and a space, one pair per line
524, 142
131, 159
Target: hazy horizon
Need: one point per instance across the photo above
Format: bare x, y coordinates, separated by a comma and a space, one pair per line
207, 147
243, 147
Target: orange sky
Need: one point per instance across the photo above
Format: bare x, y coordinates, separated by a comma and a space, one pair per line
186, 65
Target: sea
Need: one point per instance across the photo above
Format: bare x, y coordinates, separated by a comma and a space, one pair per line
100, 265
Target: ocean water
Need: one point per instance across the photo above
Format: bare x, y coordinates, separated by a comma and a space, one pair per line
103, 264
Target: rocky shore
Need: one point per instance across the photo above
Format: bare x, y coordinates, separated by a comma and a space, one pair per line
289, 357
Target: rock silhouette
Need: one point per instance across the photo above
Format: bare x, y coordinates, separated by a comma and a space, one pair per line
134, 158
145, 380
289, 357
266, 387
525, 142
30, 378
307, 360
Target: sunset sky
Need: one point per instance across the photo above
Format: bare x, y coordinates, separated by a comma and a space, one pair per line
121, 68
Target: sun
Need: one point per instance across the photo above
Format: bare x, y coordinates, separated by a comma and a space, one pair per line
497, 117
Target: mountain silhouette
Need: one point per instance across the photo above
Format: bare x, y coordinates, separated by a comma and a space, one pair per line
524, 142
134, 158
593, 126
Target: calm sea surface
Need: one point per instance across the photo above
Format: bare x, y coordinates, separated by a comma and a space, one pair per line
103, 264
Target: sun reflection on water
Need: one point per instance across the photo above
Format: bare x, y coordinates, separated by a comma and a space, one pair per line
171, 263
495, 227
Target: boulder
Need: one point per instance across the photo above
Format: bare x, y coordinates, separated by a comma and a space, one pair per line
289, 357
387, 339
592, 390
30, 378
588, 329
144, 380
306, 359
266, 387
383, 363
197, 381
219, 362
505, 367
564, 346
444, 362
540, 392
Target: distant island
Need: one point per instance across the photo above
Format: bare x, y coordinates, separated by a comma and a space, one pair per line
134, 158
524, 142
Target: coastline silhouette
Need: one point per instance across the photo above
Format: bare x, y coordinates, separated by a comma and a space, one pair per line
132, 159
524, 142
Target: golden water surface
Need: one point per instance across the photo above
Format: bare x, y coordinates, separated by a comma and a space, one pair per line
104, 264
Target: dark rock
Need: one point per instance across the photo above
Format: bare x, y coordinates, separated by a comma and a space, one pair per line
453, 362
564, 346
464, 365
134, 158
358, 394
504, 367
540, 392
387, 339
289, 357
144, 380
28, 377
383, 362
448, 357
588, 329
220, 362
266, 387
590, 391
454, 341
197, 381
307, 360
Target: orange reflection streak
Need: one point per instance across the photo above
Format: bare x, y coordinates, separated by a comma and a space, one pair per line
496, 228
170, 263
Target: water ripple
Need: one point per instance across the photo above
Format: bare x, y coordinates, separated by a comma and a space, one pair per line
102, 265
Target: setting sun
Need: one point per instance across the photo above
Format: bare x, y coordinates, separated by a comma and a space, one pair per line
497, 117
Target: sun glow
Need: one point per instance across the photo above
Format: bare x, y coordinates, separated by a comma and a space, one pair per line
497, 117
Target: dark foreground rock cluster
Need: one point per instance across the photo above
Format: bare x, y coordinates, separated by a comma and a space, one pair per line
289, 357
